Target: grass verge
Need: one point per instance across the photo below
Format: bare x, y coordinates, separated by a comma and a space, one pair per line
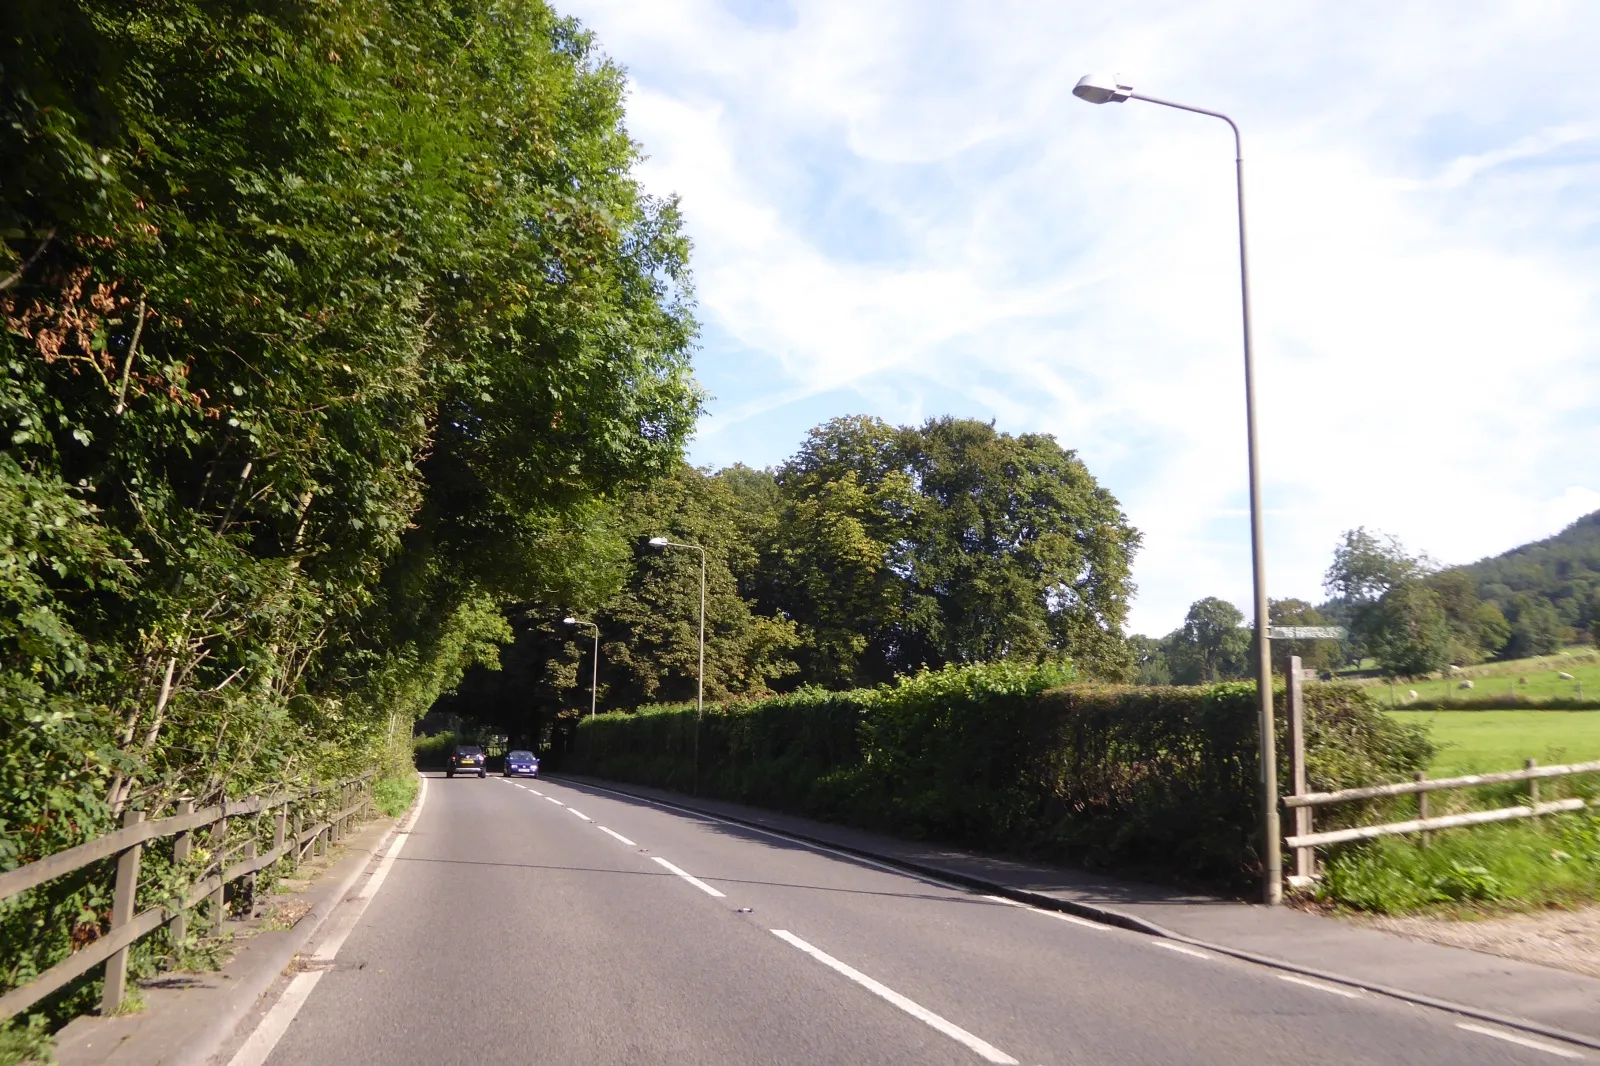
25, 1043
393, 795
1474, 872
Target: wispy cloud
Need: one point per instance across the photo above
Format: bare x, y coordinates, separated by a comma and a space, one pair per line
899, 208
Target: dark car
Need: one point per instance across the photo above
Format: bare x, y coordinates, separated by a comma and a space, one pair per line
522, 764
465, 759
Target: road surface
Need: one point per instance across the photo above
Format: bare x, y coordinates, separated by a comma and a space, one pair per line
538, 922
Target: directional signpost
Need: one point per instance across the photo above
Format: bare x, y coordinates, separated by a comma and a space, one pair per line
1307, 632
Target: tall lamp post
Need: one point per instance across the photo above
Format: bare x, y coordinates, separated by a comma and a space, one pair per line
1100, 89
700, 676
594, 676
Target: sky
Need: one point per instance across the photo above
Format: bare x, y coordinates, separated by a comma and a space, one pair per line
899, 209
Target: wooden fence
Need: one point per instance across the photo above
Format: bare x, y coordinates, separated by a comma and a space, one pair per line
352, 799
1305, 840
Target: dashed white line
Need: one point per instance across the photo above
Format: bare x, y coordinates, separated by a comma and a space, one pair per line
619, 836
535, 791
1347, 993
557, 802
691, 878
580, 814
987, 1050
1512, 1038
1181, 949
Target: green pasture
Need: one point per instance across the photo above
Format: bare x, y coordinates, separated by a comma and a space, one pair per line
1485, 741
1520, 679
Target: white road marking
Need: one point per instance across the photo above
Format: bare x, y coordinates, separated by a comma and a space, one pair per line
985, 1049
580, 814
619, 836
1072, 918
557, 802
535, 791
1537, 1045
1182, 949
259, 1044
691, 878
823, 848
1347, 993
255, 1050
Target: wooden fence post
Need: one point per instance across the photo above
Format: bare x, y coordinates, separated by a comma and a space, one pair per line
121, 914
219, 852
280, 827
1425, 836
1533, 787
1305, 859
178, 927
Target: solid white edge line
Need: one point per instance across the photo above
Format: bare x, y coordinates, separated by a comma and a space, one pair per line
1073, 918
985, 1049
1347, 993
1537, 1045
619, 836
259, 1044
580, 814
1181, 949
689, 877
254, 1051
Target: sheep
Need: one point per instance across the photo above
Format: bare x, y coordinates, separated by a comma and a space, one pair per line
1563, 675
1411, 694
1465, 684
1454, 669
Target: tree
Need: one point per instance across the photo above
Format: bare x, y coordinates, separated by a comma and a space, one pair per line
1212, 644
1150, 660
1536, 628
897, 549
1408, 631
1368, 564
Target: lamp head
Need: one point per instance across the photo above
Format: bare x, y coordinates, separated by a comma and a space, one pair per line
658, 542
1102, 89
569, 621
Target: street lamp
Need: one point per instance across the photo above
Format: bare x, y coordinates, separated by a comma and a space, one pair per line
1101, 89
700, 679
594, 677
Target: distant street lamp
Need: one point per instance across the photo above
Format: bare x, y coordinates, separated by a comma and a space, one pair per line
700, 679
1100, 89
594, 676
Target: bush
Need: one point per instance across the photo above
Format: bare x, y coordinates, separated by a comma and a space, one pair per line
1008, 758
432, 752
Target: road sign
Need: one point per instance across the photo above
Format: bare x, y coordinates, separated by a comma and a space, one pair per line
1307, 632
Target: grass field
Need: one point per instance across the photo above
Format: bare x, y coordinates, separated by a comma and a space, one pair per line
1484, 741
1530, 679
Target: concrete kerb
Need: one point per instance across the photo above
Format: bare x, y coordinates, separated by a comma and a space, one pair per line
252, 987
1111, 916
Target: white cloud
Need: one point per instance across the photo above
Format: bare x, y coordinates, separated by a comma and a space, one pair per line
900, 204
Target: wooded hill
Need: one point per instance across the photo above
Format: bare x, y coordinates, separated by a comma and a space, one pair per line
1561, 572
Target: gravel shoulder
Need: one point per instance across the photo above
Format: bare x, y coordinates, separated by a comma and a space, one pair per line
1563, 939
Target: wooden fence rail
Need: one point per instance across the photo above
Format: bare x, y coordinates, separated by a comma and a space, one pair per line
1304, 840
353, 798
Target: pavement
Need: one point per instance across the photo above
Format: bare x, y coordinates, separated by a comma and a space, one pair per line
561, 922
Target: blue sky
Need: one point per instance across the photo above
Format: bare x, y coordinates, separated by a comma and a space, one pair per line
899, 209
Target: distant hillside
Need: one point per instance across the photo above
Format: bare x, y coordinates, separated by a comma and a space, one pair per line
1563, 571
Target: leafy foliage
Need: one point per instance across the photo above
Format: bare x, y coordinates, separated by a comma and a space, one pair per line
326, 332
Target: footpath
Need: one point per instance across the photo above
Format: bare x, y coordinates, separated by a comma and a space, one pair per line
1520, 995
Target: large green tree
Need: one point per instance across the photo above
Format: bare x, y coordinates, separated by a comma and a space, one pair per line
328, 330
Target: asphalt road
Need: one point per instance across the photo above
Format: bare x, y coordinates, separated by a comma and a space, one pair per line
536, 922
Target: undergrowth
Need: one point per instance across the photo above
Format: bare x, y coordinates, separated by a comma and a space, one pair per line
1473, 871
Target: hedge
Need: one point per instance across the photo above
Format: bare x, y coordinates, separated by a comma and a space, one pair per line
1160, 781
